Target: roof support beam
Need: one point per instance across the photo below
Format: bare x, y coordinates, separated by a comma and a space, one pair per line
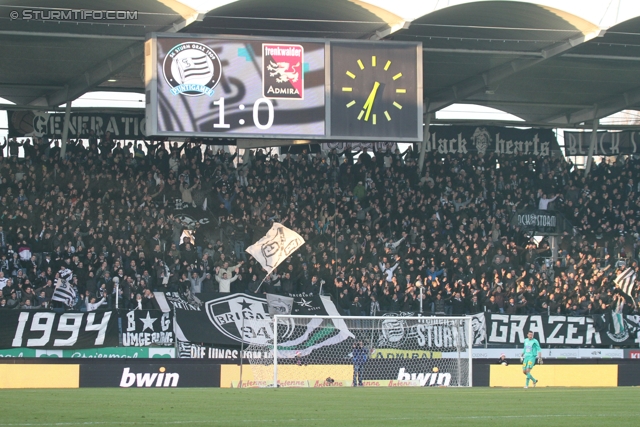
27, 86
425, 136
521, 53
491, 103
605, 108
390, 29
490, 78
68, 35
592, 146
102, 71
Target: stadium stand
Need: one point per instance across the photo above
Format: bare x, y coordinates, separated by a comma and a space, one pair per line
375, 229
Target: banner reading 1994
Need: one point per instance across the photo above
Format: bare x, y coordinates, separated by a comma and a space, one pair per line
49, 330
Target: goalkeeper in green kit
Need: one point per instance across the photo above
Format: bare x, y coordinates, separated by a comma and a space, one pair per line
532, 351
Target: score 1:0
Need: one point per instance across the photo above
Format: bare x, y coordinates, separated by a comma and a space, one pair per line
256, 108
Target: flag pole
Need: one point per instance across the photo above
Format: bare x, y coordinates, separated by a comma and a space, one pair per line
241, 351
265, 278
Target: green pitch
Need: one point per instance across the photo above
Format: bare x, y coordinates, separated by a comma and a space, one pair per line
321, 407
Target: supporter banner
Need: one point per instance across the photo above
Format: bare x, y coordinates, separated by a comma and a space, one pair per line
142, 328
432, 334
563, 330
153, 375
171, 300
38, 123
49, 330
231, 318
607, 143
540, 222
218, 354
491, 139
92, 353
297, 146
371, 146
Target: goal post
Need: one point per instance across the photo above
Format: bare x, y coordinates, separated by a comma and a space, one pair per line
338, 351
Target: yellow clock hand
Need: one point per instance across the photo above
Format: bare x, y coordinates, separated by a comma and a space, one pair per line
368, 105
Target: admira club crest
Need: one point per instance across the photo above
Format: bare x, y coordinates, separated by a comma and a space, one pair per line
192, 69
227, 315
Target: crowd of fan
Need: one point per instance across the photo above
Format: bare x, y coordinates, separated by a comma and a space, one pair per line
380, 236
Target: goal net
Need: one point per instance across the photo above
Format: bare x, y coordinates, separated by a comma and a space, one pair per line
389, 351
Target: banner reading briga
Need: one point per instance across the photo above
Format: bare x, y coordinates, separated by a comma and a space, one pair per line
229, 319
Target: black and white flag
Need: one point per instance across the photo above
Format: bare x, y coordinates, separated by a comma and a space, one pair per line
64, 293
278, 244
279, 304
626, 280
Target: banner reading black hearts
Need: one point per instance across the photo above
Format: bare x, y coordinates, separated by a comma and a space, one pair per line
50, 330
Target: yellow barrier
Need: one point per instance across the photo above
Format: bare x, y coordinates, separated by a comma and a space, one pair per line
556, 376
313, 376
39, 376
288, 375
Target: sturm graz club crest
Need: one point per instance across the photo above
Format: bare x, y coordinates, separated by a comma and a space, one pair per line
192, 69
241, 317
392, 330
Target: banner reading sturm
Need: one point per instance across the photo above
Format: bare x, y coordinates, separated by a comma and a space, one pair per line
49, 330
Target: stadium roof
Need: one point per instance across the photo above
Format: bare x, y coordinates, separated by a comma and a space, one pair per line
546, 63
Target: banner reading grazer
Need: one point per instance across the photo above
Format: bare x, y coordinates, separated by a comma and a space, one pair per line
142, 328
563, 330
49, 330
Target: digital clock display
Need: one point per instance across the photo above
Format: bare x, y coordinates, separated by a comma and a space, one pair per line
250, 88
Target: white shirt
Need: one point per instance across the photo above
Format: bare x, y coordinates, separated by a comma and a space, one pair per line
543, 205
225, 284
388, 271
